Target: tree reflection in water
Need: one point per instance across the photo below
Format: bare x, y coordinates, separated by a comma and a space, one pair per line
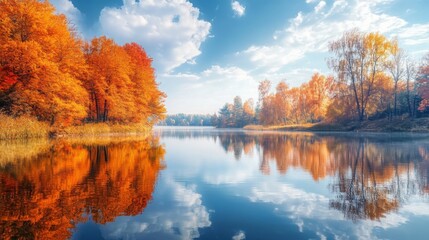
45, 196
372, 174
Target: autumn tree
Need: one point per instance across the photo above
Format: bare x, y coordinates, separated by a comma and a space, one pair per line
108, 81
282, 102
319, 92
422, 82
47, 72
248, 111
121, 83
411, 94
148, 99
395, 66
41, 63
342, 106
358, 57
263, 101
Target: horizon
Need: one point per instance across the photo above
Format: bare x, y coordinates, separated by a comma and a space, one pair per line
207, 52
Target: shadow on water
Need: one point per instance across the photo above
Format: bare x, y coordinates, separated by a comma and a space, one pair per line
47, 188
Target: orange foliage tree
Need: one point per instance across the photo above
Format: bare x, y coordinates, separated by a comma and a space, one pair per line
41, 63
307, 103
121, 83
148, 99
108, 81
48, 72
319, 90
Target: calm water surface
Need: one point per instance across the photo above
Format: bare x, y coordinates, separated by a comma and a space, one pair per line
201, 183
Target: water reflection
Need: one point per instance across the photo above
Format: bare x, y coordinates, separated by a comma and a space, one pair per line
44, 195
371, 175
218, 185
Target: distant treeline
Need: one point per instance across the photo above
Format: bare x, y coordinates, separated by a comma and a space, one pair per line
373, 78
188, 120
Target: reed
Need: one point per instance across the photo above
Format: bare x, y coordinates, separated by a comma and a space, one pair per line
101, 129
23, 127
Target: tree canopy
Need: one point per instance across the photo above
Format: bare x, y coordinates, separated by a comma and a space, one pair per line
372, 78
48, 72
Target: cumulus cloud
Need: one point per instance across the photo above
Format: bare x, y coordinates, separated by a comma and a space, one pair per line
310, 33
67, 8
170, 31
238, 9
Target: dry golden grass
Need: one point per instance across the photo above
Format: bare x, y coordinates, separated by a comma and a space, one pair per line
22, 127
27, 127
103, 129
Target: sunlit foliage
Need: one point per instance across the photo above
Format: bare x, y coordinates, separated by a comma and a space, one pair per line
373, 78
48, 72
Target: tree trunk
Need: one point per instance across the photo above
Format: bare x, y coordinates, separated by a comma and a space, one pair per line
395, 99
105, 111
410, 111
97, 108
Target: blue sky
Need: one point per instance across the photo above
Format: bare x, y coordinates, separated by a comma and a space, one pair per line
208, 51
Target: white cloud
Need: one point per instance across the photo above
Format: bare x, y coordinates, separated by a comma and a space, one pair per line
239, 236
238, 9
310, 33
217, 72
415, 34
273, 56
67, 8
319, 6
181, 76
170, 31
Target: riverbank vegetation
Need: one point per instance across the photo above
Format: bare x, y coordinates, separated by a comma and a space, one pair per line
52, 80
373, 79
22, 127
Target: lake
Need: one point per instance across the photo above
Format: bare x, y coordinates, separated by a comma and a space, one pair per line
204, 183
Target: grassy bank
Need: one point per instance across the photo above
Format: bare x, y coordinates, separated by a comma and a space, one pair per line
100, 129
22, 127
381, 125
27, 127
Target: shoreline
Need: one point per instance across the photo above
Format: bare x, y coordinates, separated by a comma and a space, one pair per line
25, 128
419, 125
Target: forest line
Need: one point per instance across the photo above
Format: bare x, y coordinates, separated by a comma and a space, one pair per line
49, 73
373, 79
